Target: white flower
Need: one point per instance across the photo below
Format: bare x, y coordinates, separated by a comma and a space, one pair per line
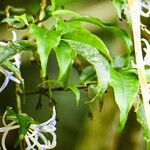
146, 49
35, 137
9, 75
36, 133
145, 8
6, 129
147, 52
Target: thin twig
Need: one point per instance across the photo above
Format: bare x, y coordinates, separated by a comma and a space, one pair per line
13, 10
59, 89
43, 5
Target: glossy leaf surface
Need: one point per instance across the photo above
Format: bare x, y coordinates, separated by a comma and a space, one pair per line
65, 57
76, 91
126, 86
141, 118
46, 40
13, 48
93, 56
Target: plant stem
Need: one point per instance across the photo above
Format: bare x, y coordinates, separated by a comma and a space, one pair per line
135, 9
18, 99
53, 2
65, 13
42, 11
84, 87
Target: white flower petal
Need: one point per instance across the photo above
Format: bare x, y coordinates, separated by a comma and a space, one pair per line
147, 51
9, 127
3, 44
145, 8
8, 76
27, 141
14, 79
14, 36
35, 136
4, 139
3, 119
43, 138
5, 83
29, 138
17, 58
51, 121
147, 44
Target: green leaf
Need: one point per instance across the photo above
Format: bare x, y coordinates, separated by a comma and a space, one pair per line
11, 67
125, 37
66, 27
65, 57
11, 115
122, 9
126, 86
9, 20
46, 40
99, 62
120, 62
148, 74
13, 48
141, 118
119, 6
24, 18
24, 121
53, 2
84, 36
76, 91
88, 74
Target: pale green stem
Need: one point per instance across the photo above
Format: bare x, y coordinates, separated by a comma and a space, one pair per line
53, 5
65, 13
42, 11
18, 99
134, 6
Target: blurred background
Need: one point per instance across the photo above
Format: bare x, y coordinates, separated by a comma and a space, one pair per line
82, 127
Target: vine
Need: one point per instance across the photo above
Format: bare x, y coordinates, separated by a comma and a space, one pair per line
69, 39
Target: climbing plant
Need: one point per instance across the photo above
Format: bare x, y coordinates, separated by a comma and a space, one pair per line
69, 39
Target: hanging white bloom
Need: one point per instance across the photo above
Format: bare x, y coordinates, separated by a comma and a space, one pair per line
145, 8
36, 133
6, 129
9, 75
35, 137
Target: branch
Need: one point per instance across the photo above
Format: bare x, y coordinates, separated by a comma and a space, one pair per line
44, 90
42, 10
13, 10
